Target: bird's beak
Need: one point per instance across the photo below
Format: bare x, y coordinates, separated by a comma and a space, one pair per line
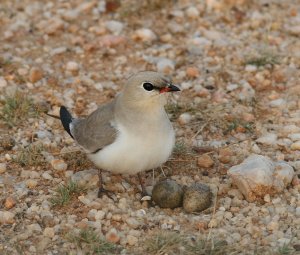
169, 88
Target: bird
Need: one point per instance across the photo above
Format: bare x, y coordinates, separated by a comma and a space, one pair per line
130, 134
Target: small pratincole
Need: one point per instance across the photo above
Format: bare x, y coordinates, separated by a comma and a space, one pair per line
130, 134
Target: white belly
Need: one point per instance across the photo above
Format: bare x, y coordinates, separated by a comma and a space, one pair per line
132, 153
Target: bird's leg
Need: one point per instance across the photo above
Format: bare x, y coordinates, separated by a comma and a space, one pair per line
144, 192
101, 190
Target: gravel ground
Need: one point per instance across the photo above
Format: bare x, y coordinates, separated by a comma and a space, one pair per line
237, 63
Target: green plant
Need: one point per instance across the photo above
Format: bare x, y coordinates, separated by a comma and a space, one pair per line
88, 240
18, 108
64, 193
31, 155
264, 58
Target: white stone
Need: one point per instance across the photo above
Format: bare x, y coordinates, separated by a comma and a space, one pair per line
268, 139
277, 102
99, 215
47, 176
72, 66
86, 178
184, 118
133, 223
3, 82
59, 165
250, 68
6, 217
165, 65
192, 12
291, 129
145, 35
294, 137
114, 26
284, 172
258, 175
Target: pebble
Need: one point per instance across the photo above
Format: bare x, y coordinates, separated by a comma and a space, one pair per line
31, 183
133, 223
192, 12
225, 155
184, 118
2, 168
205, 161
294, 137
10, 202
165, 66
35, 74
114, 26
144, 35
112, 236
86, 178
3, 82
7, 217
295, 146
167, 194
49, 232
132, 240
72, 66
268, 139
35, 227
47, 176
197, 198
192, 72
59, 165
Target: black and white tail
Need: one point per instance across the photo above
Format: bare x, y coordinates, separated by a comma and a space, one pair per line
66, 119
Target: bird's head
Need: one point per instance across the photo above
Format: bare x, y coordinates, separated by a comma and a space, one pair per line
148, 88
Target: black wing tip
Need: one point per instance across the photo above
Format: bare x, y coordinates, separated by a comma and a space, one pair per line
66, 119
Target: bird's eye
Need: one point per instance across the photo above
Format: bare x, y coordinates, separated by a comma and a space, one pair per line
148, 86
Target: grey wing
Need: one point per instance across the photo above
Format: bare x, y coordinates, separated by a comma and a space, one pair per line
97, 130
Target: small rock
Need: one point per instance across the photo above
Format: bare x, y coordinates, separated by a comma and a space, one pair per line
267, 198
49, 232
99, 215
47, 176
2, 168
205, 161
7, 217
167, 194
35, 74
192, 72
10, 202
258, 175
165, 66
133, 223
192, 12
86, 178
59, 165
114, 26
197, 198
72, 66
184, 118
35, 227
132, 240
225, 155
3, 82
296, 181
144, 35
251, 68
295, 146
268, 139
294, 137
112, 236
31, 183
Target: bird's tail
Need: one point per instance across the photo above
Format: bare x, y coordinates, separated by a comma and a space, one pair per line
66, 119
